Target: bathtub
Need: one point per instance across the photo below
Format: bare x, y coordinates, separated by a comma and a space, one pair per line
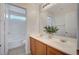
15, 43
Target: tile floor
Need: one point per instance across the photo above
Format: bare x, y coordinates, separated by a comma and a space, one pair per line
17, 51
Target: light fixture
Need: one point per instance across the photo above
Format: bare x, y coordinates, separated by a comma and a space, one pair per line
47, 5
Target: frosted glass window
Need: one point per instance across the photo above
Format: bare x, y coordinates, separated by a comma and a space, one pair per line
14, 17
50, 21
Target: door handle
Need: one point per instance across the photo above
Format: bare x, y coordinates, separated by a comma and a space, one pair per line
66, 32
0, 45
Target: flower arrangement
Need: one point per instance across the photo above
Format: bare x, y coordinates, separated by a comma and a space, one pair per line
50, 29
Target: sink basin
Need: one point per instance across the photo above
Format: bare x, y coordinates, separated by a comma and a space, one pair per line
61, 40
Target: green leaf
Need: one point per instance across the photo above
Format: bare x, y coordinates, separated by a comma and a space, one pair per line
50, 29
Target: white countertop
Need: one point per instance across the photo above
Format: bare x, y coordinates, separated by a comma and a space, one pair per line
70, 46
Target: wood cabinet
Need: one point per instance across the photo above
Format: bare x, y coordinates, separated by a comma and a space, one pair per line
53, 51
32, 45
39, 48
77, 52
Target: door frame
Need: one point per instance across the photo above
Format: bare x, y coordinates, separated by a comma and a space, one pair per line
2, 28
6, 26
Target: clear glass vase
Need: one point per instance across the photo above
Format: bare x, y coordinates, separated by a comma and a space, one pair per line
50, 35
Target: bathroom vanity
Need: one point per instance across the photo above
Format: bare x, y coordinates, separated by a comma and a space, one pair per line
42, 46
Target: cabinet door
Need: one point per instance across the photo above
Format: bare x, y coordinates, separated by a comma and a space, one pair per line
53, 51
40, 48
32, 46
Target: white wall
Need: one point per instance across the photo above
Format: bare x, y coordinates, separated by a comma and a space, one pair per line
42, 21
32, 20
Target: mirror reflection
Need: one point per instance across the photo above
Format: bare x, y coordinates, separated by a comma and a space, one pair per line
63, 16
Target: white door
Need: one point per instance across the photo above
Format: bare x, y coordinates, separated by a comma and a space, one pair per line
15, 28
